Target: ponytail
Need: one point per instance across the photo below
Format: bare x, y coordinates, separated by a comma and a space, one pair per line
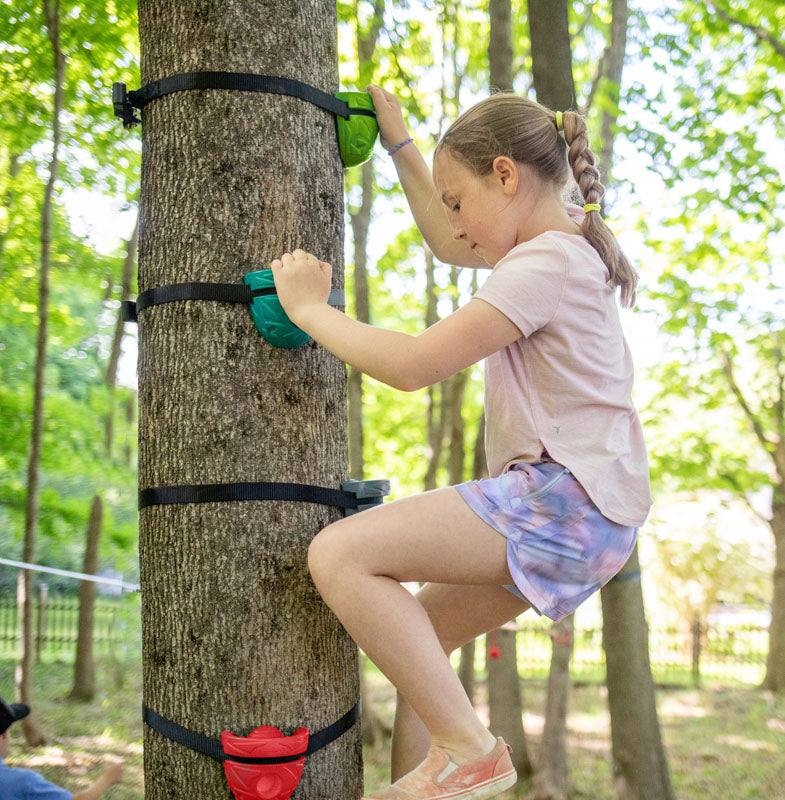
594, 229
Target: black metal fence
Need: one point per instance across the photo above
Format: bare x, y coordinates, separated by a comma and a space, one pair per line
719, 653
733, 654
56, 625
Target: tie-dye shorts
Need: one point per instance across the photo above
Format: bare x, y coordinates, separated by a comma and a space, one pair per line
560, 548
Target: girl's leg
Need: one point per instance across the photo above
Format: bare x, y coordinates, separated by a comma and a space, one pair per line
458, 614
358, 565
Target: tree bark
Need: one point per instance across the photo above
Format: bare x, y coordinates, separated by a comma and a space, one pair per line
551, 53
235, 634
34, 736
500, 50
775, 660
84, 666
552, 779
505, 703
640, 769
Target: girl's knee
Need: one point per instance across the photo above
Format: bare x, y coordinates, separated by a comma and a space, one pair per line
326, 554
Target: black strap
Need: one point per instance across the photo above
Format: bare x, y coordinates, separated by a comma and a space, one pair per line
220, 292
212, 748
233, 492
246, 82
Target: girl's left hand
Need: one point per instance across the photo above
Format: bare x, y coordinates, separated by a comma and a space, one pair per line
301, 281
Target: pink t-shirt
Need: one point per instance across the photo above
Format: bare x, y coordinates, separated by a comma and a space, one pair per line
565, 386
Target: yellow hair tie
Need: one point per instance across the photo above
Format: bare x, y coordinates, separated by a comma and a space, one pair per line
591, 207
559, 121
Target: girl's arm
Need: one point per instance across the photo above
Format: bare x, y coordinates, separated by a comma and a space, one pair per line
398, 359
427, 208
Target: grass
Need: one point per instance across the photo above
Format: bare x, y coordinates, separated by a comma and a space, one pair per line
724, 742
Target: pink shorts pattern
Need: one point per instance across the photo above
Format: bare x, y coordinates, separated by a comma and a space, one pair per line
560, 548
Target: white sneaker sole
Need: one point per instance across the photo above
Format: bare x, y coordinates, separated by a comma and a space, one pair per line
489, 788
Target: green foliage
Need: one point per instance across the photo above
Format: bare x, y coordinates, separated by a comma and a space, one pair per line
98, 40
720, 294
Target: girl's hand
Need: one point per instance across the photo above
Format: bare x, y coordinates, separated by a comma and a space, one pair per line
301, 281
392, 128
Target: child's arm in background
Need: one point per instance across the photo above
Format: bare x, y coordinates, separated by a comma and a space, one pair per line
398, 359
427, 208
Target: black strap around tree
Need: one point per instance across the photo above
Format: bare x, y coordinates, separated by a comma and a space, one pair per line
234, 492
212, 748
242, 81
220, 292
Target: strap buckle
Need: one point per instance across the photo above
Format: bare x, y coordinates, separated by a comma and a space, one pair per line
369, 493
123, 108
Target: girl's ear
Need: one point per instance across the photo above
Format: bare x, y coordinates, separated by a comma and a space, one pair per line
505, 172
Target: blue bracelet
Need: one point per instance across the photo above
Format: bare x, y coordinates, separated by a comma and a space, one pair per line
399, 146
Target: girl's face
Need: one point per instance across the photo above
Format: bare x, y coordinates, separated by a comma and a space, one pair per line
483, 210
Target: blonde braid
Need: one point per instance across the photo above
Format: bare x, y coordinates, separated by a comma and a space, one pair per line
599, 235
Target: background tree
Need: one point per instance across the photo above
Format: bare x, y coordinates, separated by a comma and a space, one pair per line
234, 632
718, 294
33, 733
84, 666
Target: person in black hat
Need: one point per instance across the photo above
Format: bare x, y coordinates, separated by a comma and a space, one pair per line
24, 784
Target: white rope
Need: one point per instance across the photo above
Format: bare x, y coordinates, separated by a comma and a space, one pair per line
128, 587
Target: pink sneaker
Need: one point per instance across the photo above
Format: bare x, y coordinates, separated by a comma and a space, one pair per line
438, 778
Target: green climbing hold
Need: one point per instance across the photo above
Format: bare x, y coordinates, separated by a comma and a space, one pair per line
356, 135
268, 313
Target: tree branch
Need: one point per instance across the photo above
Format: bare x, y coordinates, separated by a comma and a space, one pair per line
727, 368
760, 33
584, 22
737, 488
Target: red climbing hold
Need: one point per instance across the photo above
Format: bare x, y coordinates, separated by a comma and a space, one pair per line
264, 781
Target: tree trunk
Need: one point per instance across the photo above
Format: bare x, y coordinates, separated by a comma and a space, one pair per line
454, 389
500, 46
551, 53
613, 63
84, 666
117, 340
552, 779
372, 728
775, 661
504, 697
435, 419
34, 736
466, 671
480, 463
235, 634
130, 413
361, 221
640, 770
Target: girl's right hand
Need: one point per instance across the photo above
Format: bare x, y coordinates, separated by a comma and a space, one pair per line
392, 128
